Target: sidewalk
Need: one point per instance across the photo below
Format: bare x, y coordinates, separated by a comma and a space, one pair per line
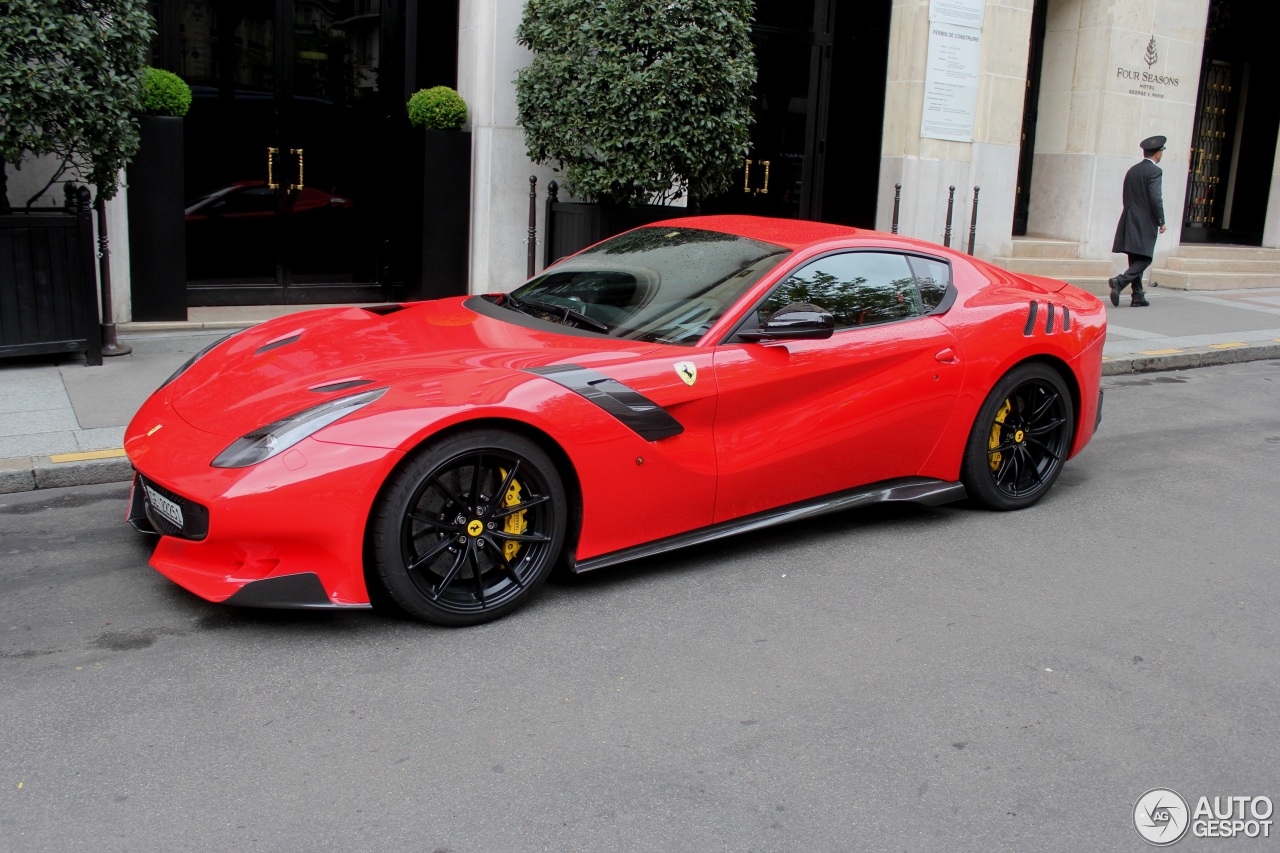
62, 423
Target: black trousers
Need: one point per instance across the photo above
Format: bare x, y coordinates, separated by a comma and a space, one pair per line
1133, 275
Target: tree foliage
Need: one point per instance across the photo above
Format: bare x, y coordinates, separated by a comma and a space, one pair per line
638, 99
71, 86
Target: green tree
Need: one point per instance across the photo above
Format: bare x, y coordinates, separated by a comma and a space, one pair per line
638, 100
71, 86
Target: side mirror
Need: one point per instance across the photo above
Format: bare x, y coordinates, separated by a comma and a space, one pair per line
799, 321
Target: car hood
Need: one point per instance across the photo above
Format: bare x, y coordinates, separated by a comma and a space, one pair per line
292, 363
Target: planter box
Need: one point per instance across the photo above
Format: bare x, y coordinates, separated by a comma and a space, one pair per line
48, 284
573, 226
157, 232
446, 213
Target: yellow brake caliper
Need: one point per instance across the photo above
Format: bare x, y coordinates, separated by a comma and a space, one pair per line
994, 457
515, 522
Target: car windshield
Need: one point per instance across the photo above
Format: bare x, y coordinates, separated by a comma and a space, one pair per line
662, 284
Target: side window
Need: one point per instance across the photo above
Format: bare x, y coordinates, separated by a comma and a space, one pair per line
858, 288
933, 277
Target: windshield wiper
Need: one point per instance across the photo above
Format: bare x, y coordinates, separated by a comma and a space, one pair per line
520, 304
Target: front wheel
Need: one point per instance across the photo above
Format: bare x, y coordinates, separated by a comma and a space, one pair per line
469, 528
1020, 440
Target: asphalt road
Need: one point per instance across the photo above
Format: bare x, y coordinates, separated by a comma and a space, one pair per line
902, 679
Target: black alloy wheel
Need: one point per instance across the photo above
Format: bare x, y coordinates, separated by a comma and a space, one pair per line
469, 528
1020, 440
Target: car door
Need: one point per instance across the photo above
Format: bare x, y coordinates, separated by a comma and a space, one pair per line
800, 419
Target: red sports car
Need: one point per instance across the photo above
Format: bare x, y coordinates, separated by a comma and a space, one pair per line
675, 384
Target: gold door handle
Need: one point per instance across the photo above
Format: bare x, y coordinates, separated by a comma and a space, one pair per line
746, 178
271, 173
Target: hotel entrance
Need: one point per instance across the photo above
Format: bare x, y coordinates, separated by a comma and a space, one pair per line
1233, 141
290, 196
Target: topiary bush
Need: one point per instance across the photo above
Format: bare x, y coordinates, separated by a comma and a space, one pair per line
437, 108
164, 93
638, 100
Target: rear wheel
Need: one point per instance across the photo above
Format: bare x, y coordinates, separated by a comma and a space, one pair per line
1020, 440
469, 528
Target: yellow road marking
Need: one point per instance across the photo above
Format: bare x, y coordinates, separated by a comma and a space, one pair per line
1160, 351
88, 454
1226, 346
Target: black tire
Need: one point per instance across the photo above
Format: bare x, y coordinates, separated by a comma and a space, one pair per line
1020, 440
468, 528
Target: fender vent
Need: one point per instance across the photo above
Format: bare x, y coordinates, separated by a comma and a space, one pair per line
1033, 312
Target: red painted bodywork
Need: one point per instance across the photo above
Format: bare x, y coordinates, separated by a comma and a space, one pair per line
765, 424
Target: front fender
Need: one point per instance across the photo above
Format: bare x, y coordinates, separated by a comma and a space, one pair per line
633, 489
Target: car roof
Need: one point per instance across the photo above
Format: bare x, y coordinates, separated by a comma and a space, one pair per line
788, 233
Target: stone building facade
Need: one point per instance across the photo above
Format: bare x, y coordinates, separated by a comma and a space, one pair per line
1039, 103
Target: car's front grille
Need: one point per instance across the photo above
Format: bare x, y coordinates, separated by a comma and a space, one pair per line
171, 513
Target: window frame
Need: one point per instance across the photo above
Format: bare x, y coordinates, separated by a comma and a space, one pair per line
749, 322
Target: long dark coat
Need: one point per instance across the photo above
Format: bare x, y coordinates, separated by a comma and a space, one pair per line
1143, 211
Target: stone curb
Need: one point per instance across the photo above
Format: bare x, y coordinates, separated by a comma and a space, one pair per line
1204, 357
26, 473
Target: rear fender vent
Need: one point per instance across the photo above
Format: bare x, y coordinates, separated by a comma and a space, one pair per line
1031, 318
1033, 311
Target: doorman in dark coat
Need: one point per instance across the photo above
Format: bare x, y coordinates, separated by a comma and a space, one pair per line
1140, 221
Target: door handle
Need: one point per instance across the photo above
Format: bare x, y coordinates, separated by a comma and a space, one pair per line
272, 153
746, 177
947, 356
298, 152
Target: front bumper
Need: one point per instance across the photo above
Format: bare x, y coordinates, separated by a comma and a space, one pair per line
253, 535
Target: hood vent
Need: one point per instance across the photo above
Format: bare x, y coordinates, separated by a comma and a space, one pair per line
291, 338
340, 386
383, 310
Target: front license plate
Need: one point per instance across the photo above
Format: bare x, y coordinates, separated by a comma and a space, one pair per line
162, 505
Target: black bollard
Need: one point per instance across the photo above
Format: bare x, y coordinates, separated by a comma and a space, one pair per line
973, 221
531, 242
549, 224
897, 198
951, 203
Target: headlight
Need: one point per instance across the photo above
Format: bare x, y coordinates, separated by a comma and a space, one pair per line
267, 441
187, 365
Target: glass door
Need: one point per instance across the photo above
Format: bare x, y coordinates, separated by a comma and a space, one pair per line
782, 173
282, 180
227, 54
333, 122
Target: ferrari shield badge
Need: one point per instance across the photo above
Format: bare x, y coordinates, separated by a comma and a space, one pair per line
687, 371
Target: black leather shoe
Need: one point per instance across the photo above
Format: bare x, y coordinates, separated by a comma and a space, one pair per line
1115, 291
1139, 300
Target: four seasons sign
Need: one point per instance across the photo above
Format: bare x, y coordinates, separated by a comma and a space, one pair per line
1147, 83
